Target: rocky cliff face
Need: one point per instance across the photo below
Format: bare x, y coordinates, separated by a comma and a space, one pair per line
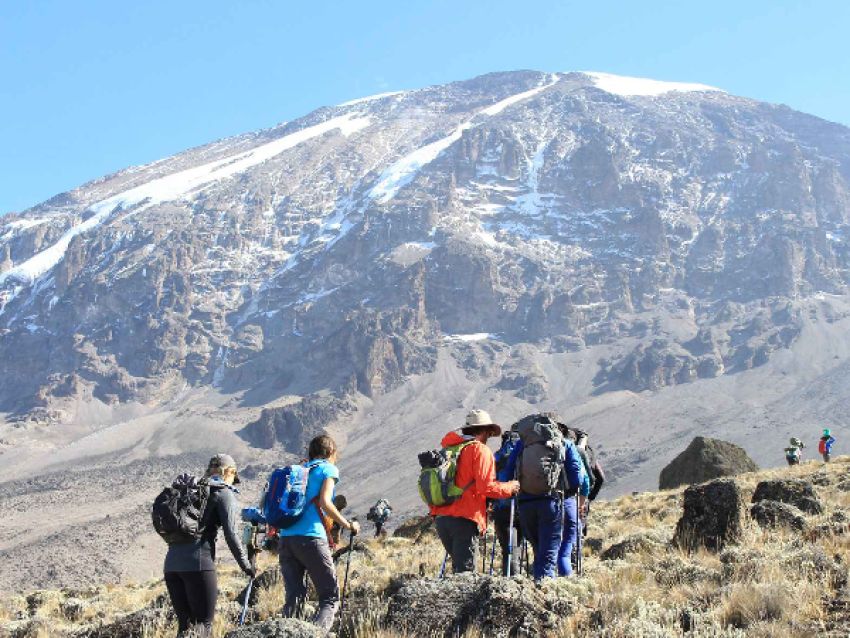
506, 219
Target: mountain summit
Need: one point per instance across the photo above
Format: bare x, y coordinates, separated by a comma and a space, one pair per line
653, 259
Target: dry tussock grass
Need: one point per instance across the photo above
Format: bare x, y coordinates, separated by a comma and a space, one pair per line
773, 583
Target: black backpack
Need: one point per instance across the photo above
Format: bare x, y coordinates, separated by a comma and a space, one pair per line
178, 511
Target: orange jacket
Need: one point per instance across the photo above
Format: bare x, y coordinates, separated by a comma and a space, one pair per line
477, 466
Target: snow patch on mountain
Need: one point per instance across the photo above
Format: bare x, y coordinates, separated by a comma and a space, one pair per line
628, 86
177, 186
370, 98
402, 172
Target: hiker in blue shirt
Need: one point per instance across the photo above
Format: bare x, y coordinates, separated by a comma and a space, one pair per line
305, 545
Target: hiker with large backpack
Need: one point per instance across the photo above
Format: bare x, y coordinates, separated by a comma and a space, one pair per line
549, 471
456, 482
304, 529
825, 446
794, 452
188, 516
379, 514
506, 459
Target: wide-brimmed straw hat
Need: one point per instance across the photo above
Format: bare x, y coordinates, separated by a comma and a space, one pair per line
481, 419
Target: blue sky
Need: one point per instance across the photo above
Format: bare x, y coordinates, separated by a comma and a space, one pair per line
91, 87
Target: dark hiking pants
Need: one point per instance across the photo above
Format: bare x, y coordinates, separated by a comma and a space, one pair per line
542, 521
460, 538
193, 596
305, 554
501, 520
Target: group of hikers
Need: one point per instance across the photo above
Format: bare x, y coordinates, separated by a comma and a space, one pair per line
794, 452
538, 487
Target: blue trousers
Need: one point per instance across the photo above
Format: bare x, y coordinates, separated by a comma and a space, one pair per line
565, 566
542, 522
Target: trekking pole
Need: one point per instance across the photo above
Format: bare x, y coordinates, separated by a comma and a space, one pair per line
510, 540
248, 591
484, 553
347, 567
578, 544
443, 566
245, 604
492, 557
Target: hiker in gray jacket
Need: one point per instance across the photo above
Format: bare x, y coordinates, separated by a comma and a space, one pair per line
190, 567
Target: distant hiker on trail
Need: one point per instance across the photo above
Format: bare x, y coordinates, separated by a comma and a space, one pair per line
379, 514
794, 452
825, 445
463, 518
190, 576
340, 502
550, 471
506, 459
304, 545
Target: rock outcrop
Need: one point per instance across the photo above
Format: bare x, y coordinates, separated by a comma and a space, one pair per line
773, 514
498, 607
703, 460
712, 516
797, 492
416, 528
277, 628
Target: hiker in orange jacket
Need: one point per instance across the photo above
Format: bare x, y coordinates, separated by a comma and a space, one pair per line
460, 523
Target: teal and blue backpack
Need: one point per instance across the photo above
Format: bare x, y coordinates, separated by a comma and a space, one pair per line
286, 498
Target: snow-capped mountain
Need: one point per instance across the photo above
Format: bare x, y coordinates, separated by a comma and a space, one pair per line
650, 258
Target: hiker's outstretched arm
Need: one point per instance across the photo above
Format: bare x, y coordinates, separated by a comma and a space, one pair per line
600, 479
228, 513
485, 475
326, 502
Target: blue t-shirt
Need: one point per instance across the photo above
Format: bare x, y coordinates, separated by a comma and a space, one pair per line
310, 524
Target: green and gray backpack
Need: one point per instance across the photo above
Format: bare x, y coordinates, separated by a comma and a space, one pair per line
438, 474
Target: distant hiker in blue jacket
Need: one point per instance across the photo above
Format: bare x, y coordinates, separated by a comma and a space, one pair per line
825, 445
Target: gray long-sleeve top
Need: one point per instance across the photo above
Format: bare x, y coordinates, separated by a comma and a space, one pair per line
199, 556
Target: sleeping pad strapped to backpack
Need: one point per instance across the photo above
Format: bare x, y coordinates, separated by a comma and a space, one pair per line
178, 510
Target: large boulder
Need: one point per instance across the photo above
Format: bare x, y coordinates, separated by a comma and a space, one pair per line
268, 579
796, 492
277, 628
703, 460
712, 516
640, 543
773, 514
417, 528
498, 607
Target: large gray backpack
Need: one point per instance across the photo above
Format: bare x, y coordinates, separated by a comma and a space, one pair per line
541, 463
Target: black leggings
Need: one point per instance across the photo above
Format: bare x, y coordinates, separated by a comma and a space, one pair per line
193, 595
